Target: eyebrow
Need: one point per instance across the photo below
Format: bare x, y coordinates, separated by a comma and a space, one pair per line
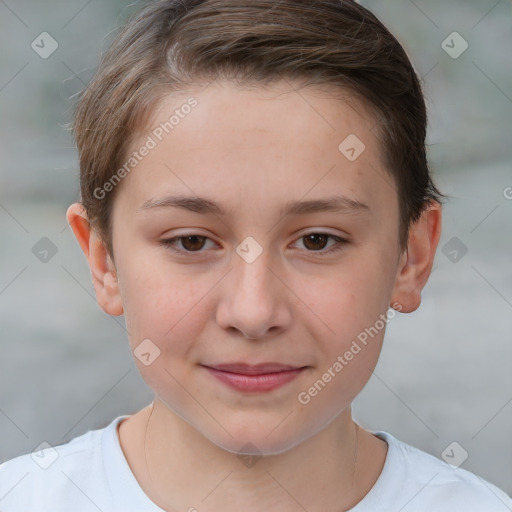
202, 205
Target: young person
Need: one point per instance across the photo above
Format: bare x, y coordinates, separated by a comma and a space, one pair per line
255, 195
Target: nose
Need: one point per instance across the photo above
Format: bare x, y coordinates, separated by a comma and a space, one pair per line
254, 300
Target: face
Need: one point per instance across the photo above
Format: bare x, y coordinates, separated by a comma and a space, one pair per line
240, 279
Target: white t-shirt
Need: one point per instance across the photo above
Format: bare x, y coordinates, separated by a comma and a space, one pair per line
91, 474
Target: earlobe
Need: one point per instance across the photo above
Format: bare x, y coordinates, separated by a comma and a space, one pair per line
103, 271
416, 261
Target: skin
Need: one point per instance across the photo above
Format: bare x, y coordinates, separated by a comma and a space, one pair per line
252, 151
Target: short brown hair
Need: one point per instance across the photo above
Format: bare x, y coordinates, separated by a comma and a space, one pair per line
171, 45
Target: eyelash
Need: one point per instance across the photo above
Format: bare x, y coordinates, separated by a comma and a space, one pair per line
340, 243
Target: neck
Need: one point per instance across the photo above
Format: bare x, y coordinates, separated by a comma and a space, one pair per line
180, 469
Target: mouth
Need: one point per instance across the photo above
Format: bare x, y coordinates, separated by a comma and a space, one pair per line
254, 378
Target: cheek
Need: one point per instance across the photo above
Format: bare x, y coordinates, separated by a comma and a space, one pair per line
349, 328
351, 298
160, 303
164, 316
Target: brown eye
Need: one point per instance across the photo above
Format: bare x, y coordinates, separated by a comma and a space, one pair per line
315, 241
189, 243
192, 243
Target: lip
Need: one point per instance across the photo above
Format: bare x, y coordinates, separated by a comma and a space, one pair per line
253, 369
254, 378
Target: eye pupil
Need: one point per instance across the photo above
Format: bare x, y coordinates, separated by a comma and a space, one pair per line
314, 238
194, 238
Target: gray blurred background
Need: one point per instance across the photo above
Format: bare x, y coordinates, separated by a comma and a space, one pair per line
444, 374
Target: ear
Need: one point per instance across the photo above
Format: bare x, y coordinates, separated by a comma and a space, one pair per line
103, 271
416, 261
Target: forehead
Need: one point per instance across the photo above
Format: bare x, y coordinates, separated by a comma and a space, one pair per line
311, 113
273, 143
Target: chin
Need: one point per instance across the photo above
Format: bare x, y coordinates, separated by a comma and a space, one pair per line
257, 438
256, 446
